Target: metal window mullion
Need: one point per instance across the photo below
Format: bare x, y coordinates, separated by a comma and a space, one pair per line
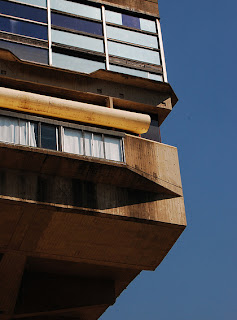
105, 37
92, 144
61, 135
123, 150
57, 139
162, 53
49, 32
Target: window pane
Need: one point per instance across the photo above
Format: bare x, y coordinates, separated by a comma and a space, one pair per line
33, 134
113, 148
88, 143
76, 40
76, 8
73, 142
42, 3
23, 28
113, 17
77, 24
48, 137
134, 53
22, 132
76, 64
133, 37
98, 146
153, 133
8, 129
148, 25
25, 52
135, 72
131, 21
23, 11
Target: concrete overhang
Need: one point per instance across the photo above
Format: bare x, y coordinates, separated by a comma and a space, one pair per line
128, 92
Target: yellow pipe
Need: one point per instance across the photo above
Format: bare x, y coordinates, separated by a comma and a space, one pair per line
73, 110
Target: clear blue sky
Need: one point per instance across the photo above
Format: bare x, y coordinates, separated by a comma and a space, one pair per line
198, 278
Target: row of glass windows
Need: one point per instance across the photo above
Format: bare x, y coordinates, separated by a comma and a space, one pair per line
79, 26
60, 138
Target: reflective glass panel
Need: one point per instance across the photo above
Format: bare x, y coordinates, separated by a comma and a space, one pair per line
132, 36
76, 8
134, 53
25, 52
76, 40
48, 136
22, 11
130, 21
135, 72
77, 24
42, 3
24, 28
76, 64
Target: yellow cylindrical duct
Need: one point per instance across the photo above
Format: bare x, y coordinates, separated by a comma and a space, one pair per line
73, 110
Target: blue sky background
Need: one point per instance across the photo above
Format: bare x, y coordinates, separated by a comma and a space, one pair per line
198, 278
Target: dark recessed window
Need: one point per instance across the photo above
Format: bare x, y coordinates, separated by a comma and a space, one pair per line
130, 21
48, 136
23, 28
77, 24
25, 52
23, 11
154, 131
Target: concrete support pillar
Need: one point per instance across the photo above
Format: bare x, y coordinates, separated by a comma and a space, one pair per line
11, 270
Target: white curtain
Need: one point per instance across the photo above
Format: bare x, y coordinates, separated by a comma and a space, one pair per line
88, 143
113, 148
73, 142
13, 130
98, 146
32, 134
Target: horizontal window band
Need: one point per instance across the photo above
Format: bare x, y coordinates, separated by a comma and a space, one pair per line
131, 29
133, 44
77, 32
25, 116
74, 111
78, 52
23, 40
75, 16
29, 4
23, 19
135, 64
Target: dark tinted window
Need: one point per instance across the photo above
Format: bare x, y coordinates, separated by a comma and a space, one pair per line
23, 11
25, 52
23, 28
154, 131
77, 24
131, 21
48, 137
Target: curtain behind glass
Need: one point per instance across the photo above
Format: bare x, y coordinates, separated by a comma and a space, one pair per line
98, 148
73, 141
113, 148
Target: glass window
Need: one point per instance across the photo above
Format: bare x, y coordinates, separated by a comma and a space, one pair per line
131, 21
134, 53
98, 146
113, 148
22, 11
24, 28
73, 141
88, 143
25, 52
75, 63
148, 25
154, 132
77, 24
48, 136
76, 8
132, 36
42, 3
135, 72
77, 40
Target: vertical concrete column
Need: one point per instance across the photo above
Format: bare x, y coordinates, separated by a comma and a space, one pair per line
11, 271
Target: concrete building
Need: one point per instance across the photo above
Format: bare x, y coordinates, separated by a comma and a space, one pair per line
89, 196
